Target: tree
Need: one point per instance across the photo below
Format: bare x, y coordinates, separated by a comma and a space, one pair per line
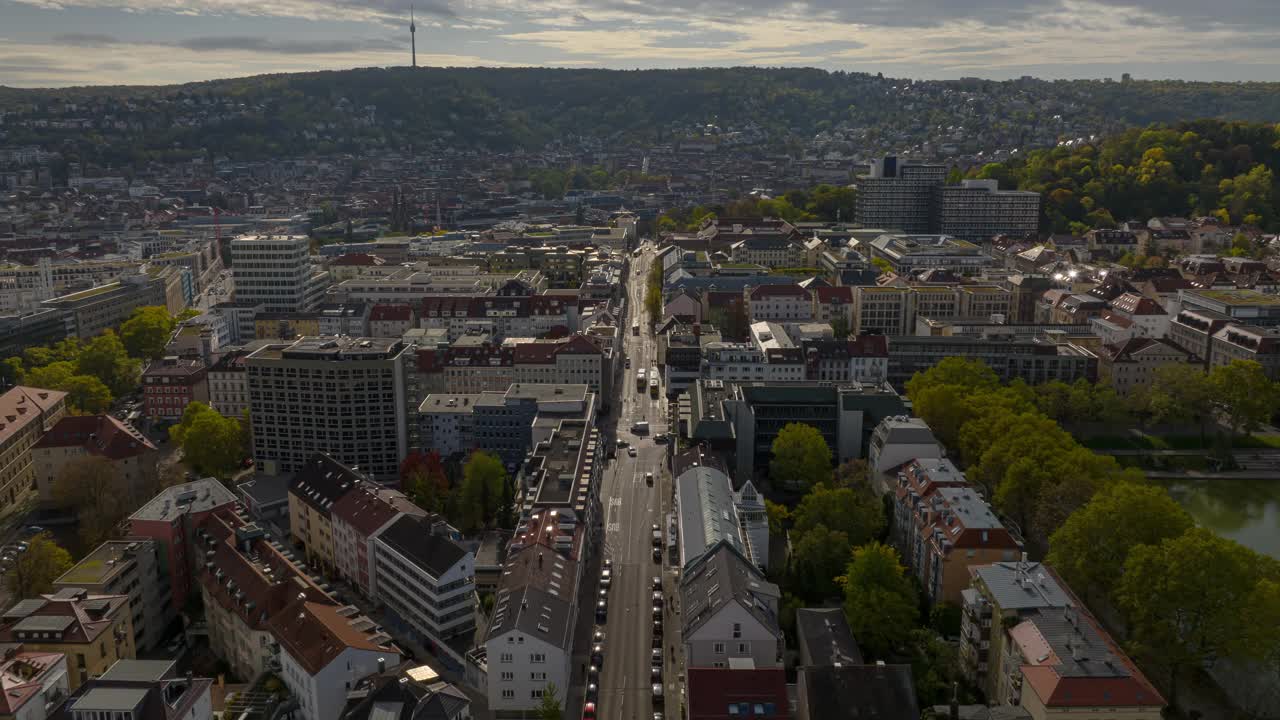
92, 487
1183, 600
1181, 393
483, 478
779, 517
800, 457
1247, 396
1091, 547
820, 555
879, 600
423, 477
210, 443
935, 667
34, 571
857, 513
147, 331
549, 707
840, 327
105, 358
972, 374
87, 394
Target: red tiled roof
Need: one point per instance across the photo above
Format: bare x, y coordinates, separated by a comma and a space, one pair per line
712, 690
366, 508
779, 291
827, 295
22, 404
98, 435
315, 634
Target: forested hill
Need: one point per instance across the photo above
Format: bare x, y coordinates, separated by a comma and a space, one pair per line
528, 108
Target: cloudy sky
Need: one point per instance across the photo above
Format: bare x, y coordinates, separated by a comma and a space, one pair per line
82, 42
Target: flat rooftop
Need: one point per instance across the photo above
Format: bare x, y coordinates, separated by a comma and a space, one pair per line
100, 565
1236, 297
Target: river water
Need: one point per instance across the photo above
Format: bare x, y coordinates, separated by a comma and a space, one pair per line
1247, 511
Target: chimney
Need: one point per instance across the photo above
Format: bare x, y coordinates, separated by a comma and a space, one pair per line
382, 665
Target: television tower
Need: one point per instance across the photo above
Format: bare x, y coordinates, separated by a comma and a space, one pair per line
413, 40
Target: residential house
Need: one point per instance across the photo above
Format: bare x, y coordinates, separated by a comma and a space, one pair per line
733, 693
26, 414
93, 631
31, 682
171, 519
1133, 364
170, 384
128, 567
313, 492
131, 455
842, 691
357, 518
141, 690
390, 321
730, 612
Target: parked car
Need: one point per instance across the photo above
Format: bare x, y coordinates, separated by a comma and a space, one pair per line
655, 657
606, 577
658, 598
656, 584
631, 452
655, 674
648, 478
589, 711
657, 692
597, 655
657, 554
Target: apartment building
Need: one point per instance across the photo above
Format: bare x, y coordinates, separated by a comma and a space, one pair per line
314, 490
93, 631
709, 511
428, 581
89, 312
325, 650
575, 360
506, 423
898, 194
228, 389
1035, 361
245, 584
729, 612
343, 396
504, 315
131, 455
1027, 641
1248, 307
781, 303
1132, 365
132, 568
357, 518
899, 440
171, 519
141, 690
31, 683
977, 210
26, 414
276, 271
391, 321
170, 384
1193, 331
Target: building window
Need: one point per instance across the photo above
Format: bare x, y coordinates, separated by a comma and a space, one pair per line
718, 648
508, 676
737, 630
508, 694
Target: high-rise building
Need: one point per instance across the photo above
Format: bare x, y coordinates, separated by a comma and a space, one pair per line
977, 210
340, 395
276, 270
898, 194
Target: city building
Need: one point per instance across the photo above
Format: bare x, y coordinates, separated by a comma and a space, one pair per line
93, 631
171, 519
339, 395
32, 682
824, 638
276, 271
89, 312
131, 455
977, 210
357, 517
507, 423
723, 693
141, 690
1026, 640
1248, 307
314, 490
44, 326
409, 692
324, 650
26, 414
226, 379
898, 440
880, 691
390, 321
1034, 361
898, 194
907, 254
571, 361
729, 612
170, 384
428, 581
245, 584
1133, 364
132, 568
1247, 342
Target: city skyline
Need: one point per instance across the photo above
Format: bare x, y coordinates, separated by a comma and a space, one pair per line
89, 42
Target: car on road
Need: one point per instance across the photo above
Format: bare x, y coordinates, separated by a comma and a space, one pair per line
657, 642
657, 536
657, 554
597, 637
631, 451
657, 598
606, 577
660, 438
589, 711
657, 692
648, 478
641, 428
656, 584
655, 657
628, 363
655, 674
622, 442
597, 655
602, 612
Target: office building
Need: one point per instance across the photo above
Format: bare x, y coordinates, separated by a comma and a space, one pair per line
357, 518
898, 194
340, 395
276, 271
977, 210
1034, 361
908, 254
89, 312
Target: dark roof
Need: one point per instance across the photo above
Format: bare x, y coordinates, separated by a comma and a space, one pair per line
97, 435
411, 537
406, 693
825, 638
316, 633
721, 576
403, 313
712, 691
323, 481
884, 692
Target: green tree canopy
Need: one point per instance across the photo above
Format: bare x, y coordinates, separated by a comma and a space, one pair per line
147, 331
1092, 546
210, 442
1247, 396
819, 556
801, 457
855, 512
105, 358
879, 600
34, 571
483, 491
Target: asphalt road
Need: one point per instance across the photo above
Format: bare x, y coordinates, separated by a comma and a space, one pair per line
631, 508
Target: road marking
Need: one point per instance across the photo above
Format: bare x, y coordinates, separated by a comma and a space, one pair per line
615, 509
